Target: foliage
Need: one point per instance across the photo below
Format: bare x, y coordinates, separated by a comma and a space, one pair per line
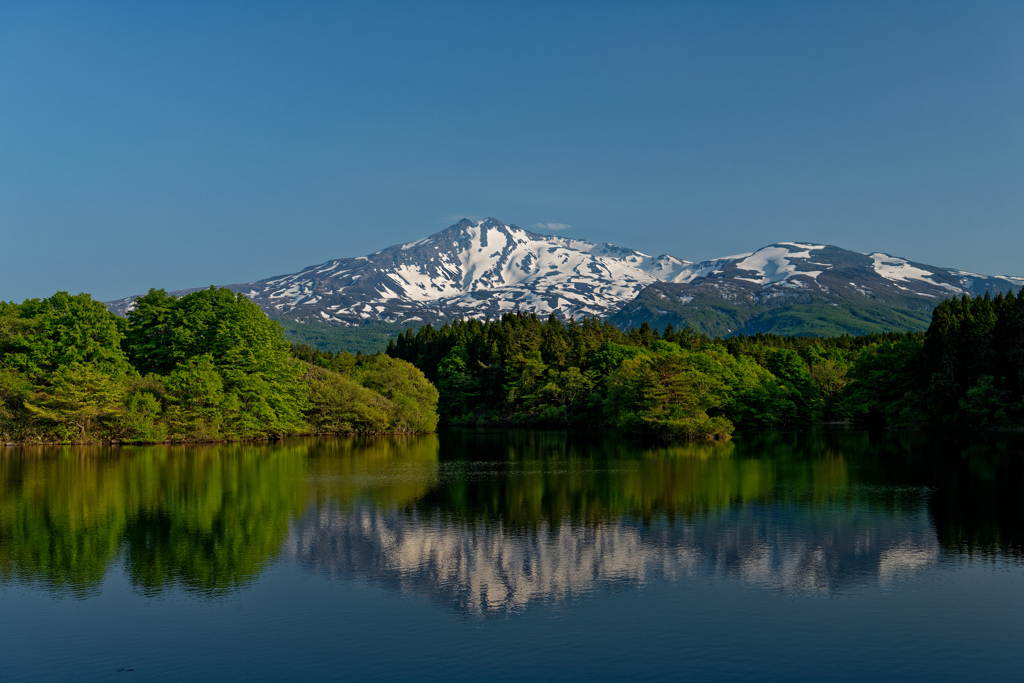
229, 370
967, 370
883, 383
972, 362
63, 373
208, 366
212, 366
78, 400
412, 399
42, 335
340, 405
204, 520
674, 385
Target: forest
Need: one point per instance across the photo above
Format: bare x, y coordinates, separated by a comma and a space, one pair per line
965, 371
211, 366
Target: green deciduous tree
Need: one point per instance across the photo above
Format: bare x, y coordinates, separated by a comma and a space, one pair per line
229, 369
81, 401
669, 394
65, 329
413, 399
340, 405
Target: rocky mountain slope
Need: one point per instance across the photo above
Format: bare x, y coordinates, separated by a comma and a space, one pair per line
797, 288
486, 268
471, 269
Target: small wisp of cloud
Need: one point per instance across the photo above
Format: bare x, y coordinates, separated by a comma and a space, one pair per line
555, 227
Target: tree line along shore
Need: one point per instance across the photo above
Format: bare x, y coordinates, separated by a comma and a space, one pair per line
210, 366
966, 371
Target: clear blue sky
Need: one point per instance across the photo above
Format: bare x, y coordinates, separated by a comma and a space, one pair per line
179, 144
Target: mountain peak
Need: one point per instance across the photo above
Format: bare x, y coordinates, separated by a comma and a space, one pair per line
477, 268
473, 268
466, 225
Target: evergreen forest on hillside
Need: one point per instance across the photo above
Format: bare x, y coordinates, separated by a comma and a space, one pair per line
212, 366
966, 371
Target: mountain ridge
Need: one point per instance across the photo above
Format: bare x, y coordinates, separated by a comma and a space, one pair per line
486, 268
805, 288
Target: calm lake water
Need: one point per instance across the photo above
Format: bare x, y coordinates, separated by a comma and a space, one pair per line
517, 555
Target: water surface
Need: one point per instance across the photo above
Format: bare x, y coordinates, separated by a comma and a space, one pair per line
516, 555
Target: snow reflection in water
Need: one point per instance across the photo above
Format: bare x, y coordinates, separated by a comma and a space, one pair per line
485, 566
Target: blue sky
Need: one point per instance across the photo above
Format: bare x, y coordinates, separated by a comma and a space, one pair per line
184, 144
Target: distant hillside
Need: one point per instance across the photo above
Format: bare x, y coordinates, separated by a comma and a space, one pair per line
365, 339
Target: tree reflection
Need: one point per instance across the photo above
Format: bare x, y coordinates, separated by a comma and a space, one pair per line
976, 505
388, 470
207, 519
62, 513
527, 478
212, 518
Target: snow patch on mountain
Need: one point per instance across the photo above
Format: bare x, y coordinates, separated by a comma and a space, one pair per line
774, 264
968, 277
691, 272
898, 269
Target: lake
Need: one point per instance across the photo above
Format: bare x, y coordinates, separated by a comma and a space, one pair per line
516, 555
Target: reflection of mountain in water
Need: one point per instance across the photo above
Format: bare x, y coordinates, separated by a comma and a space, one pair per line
494, 522
487, 567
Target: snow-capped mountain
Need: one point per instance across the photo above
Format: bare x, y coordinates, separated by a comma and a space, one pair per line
471, 269
799, 288
486, 268
795, 265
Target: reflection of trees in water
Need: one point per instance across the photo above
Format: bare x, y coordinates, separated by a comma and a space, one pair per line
519, 517
975, 480
60, 519
207, 519
978, 501
391, 470
547, 480
215, 518
514, 514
